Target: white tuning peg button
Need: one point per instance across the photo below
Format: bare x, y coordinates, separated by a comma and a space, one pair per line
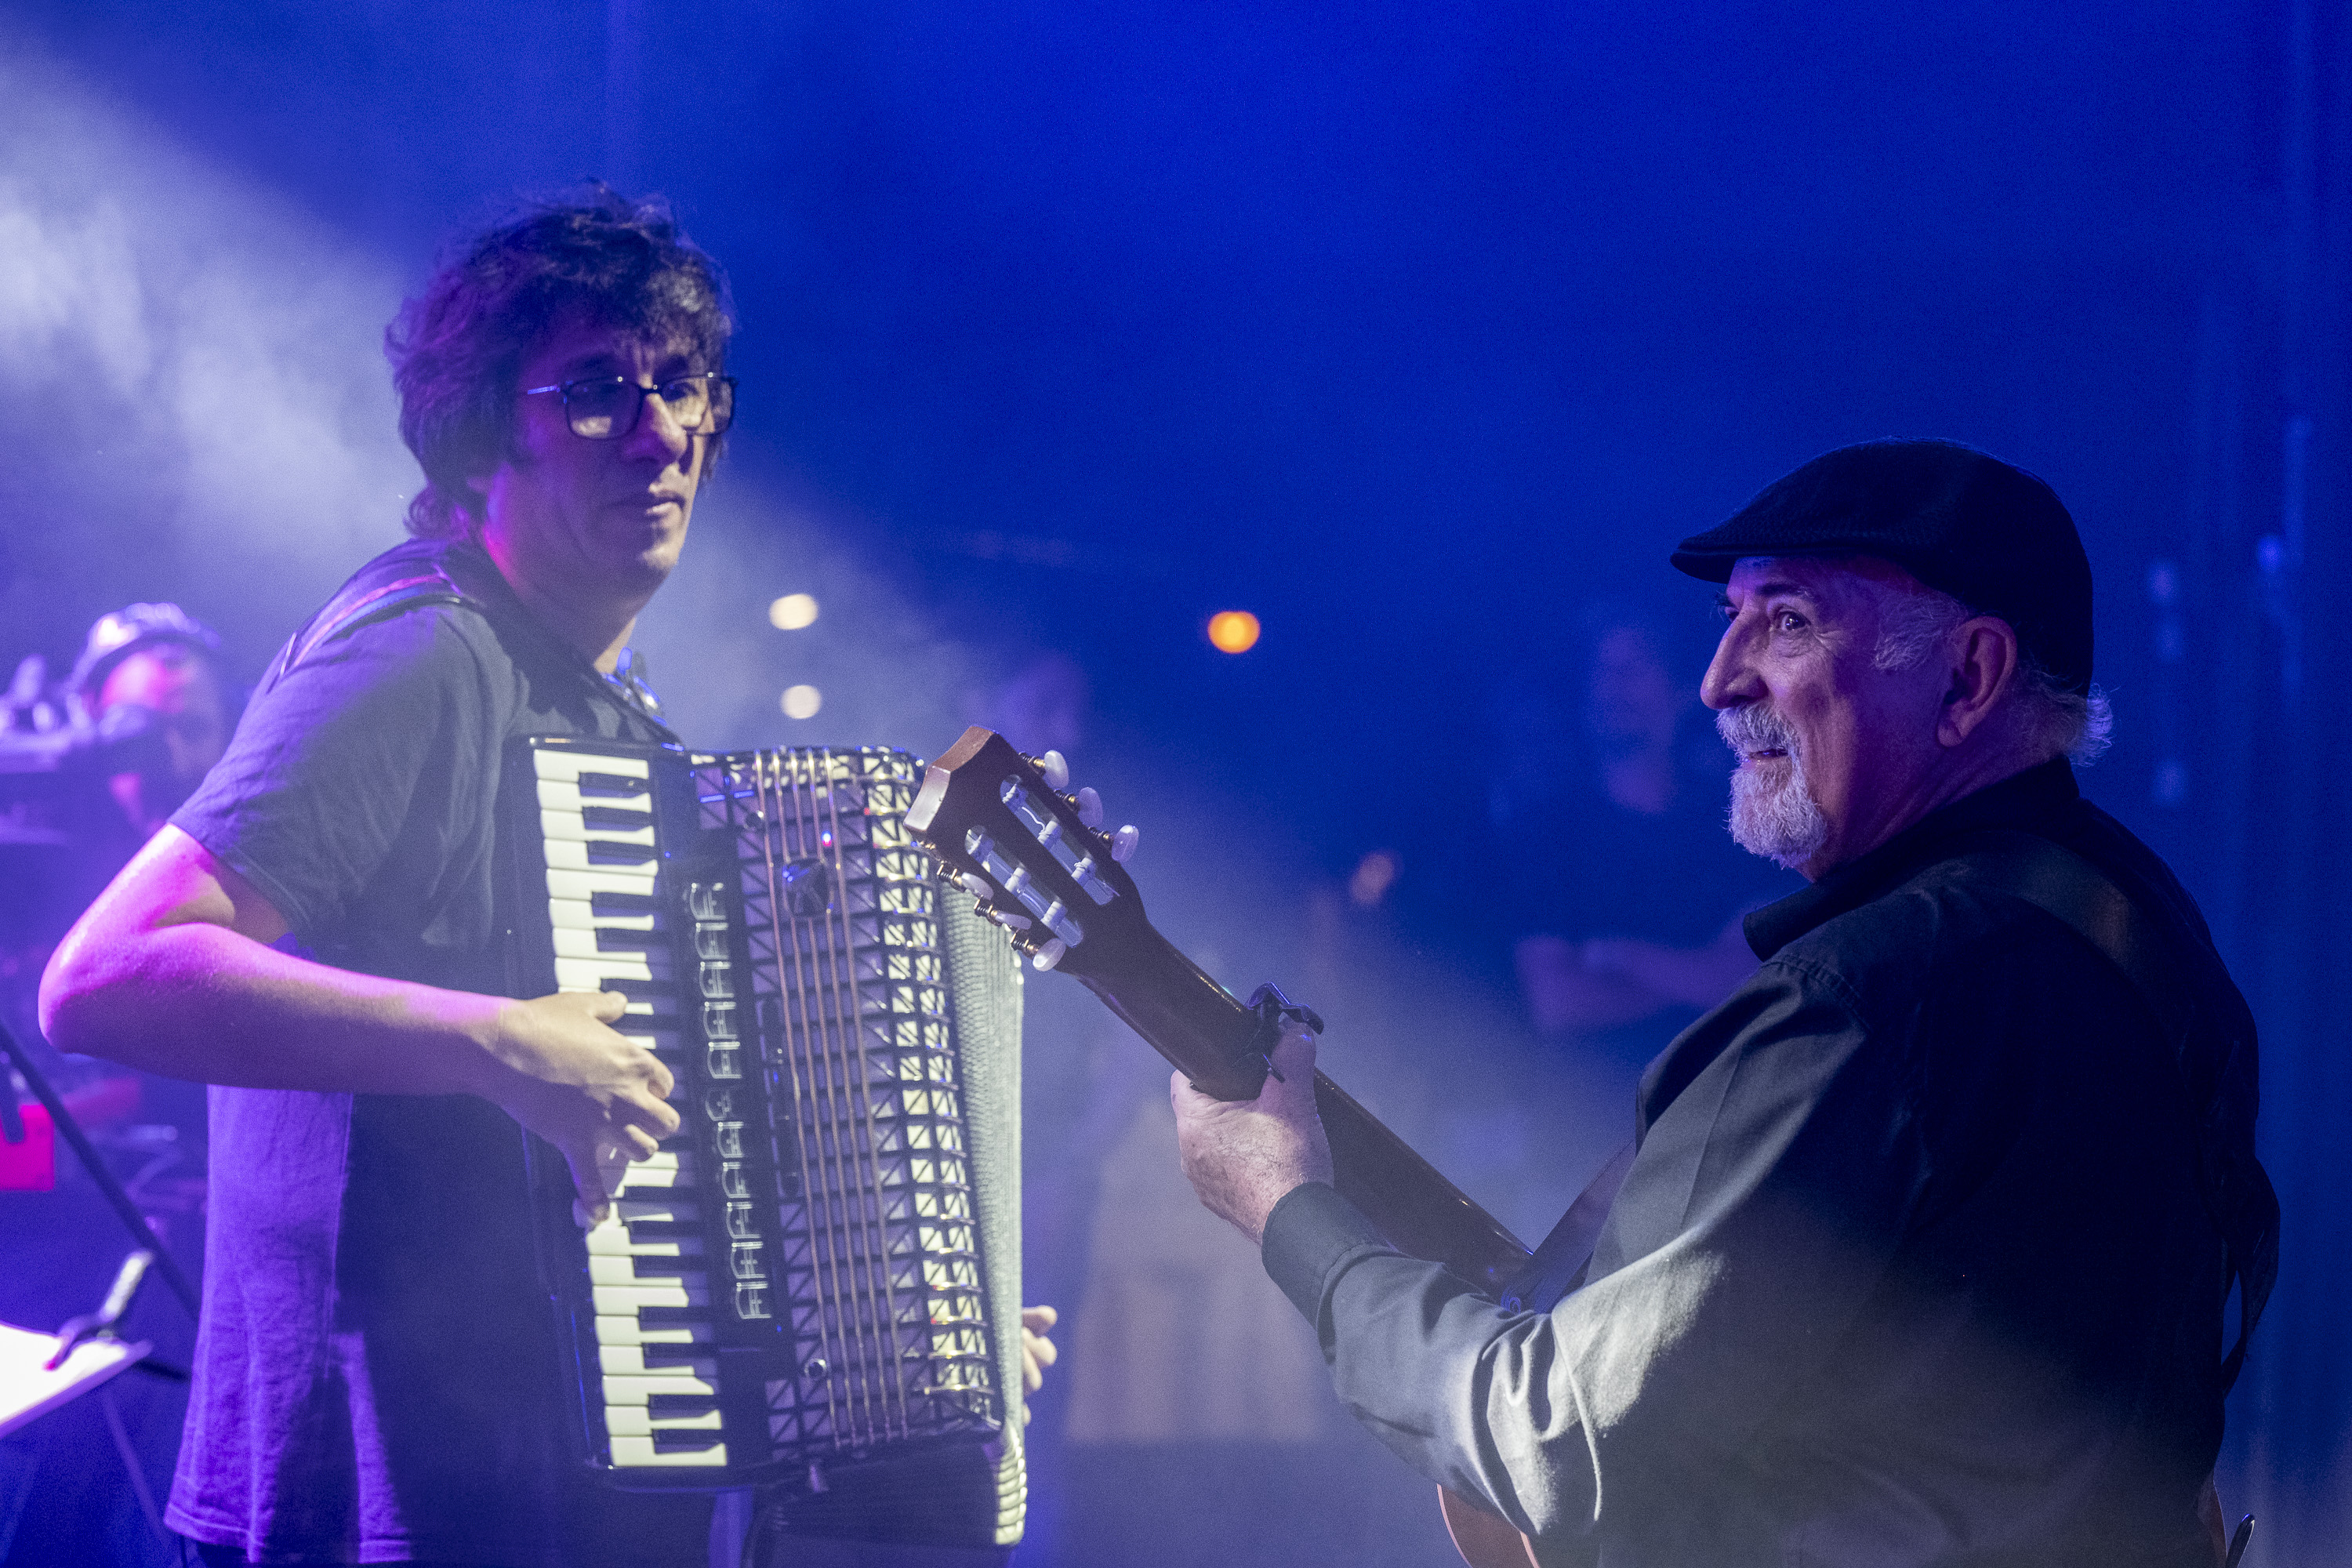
1057, 769
1009, 921
976, 886
1123, 842
1089, 807
1051, 953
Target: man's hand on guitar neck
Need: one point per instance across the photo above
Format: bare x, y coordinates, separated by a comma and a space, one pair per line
1244, 1156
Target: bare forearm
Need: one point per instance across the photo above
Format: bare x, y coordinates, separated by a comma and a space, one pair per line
197, 1001
172, 969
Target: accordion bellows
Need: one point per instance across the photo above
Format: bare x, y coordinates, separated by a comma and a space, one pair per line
815, 1287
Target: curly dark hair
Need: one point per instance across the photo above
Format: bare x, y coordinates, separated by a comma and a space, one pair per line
458, 348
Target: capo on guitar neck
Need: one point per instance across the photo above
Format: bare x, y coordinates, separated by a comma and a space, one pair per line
1273, 1010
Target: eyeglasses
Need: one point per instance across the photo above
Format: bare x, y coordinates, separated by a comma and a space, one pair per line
607, 407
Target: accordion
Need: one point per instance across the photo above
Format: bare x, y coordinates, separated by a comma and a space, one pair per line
814, 1285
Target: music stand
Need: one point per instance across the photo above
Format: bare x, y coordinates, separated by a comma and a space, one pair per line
30, 1386
70, 1130
40, 1372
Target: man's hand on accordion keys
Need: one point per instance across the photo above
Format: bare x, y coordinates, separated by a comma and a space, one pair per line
594, 1094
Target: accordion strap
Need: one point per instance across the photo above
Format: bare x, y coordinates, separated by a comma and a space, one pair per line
400, 580
428, 572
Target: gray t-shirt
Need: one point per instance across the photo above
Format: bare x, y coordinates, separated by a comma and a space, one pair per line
375, 1375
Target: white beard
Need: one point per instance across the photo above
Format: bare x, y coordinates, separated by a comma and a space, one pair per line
1779, 821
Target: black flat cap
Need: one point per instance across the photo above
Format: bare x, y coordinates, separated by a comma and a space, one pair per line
1960, 521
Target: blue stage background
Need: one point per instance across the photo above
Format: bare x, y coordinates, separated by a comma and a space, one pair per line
1412, 330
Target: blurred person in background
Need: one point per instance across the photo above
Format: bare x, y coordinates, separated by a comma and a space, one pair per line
1624, 891
164, 663
105, 759
149, 711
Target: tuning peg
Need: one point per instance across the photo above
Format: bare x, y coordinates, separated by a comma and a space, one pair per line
1090, 808
1123, 842
1005, 918
1056, 771
977, 886
1050, 953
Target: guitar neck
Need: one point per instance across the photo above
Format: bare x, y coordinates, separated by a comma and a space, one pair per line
1017, 842
1206, 1034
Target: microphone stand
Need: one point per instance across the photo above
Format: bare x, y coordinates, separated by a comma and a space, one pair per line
70, 1130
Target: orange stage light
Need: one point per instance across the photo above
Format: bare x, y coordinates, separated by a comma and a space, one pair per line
1233, 631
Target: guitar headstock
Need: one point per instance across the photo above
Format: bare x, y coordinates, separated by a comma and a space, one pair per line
988, 814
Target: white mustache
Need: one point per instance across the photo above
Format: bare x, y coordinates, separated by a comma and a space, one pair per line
1752, 727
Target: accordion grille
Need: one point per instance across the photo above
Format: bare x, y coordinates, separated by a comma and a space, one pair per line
880, 1266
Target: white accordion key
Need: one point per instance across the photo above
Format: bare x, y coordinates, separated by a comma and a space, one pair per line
677, 1381
567, 765
571, 855
589, 944
584, 974
567, 799
664, 1168
629, 1361
625, 1330
639, 1454
621, 1269
627, 1300
585, 885
571, 828
578, 914
632, 1420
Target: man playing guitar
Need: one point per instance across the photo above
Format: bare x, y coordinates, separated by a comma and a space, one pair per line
1923, 1255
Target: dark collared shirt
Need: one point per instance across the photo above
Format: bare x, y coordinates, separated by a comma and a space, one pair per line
1913, 1266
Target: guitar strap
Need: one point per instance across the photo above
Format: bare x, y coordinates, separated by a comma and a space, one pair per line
2214, 1057
1558, 1265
